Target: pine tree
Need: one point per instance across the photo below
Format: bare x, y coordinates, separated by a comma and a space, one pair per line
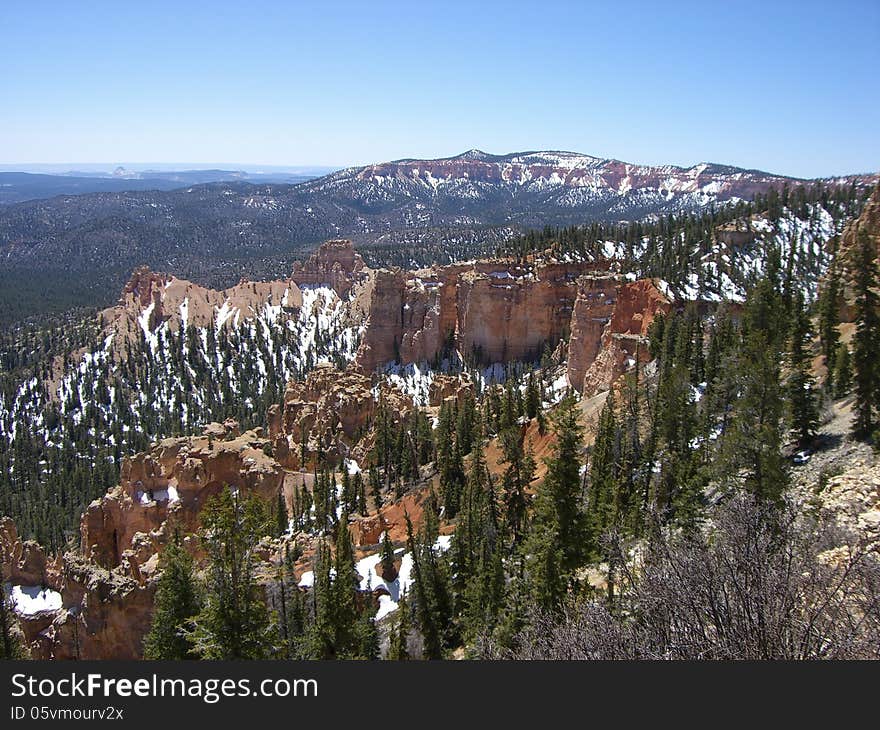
753, 440
341, 626
289, 604
387, 556
344, 607
533, 398
842, 372
563, 482
866, 340
398, 648
281, 518
233, 622
556, 543
376, 487
449, 461
517, 475
603, 473
803, 409
829, 305
11, 644
175, 605
433, 609
484, 592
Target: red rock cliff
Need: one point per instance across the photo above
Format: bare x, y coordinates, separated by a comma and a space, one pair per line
611, 318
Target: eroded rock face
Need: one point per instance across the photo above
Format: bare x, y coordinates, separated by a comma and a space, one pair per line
166, 488
103, 614
611, 319
107, 587
330, 411
367, 531
24, 562
335, 263
497, 310
593, 308
511, 313
150, 299
455, 387
867, 224
384, 329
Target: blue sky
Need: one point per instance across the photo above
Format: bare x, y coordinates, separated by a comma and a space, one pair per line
787, 87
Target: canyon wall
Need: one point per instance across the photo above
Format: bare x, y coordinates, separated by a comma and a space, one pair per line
610, 321
867, 224
495, 311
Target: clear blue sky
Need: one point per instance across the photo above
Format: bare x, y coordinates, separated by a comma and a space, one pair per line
790, 87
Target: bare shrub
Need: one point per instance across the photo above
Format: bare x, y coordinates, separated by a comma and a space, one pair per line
756, 583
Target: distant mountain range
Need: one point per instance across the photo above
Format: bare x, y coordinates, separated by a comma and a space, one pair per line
214, 231
17, 187
534, 188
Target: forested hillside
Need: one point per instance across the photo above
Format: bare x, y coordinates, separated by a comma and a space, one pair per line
456, 506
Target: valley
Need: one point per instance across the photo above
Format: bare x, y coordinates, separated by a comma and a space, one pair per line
470, 441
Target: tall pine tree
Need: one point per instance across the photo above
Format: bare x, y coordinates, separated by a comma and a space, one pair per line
233, 622
802, 406
175, 605
866, 340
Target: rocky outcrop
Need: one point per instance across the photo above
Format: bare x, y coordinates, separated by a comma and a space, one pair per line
511, 313
151, 299
335, 264
610, 321
101, 613
592, 312
24, 562
368, 531
867, 224
106, 589
852, 499
446, 387
329, 411
383, 331
105, 615
736, 234
167, 488
495, 311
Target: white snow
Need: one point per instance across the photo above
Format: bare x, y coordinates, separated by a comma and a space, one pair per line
30, 600
371, 580
224, 313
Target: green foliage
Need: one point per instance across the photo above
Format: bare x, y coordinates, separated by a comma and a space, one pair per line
829, 306
430, 593
233, 622
518, 473
11, 643
174, 607
752, 448
866, 340
557, 539
398, 647
387, 556
341, 624
843, 373
802, 405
